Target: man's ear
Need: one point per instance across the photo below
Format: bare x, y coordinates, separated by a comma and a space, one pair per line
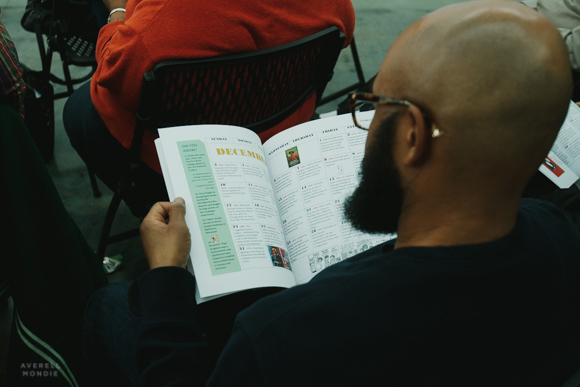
416, 132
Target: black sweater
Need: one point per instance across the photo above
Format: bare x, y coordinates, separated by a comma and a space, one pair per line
503, 313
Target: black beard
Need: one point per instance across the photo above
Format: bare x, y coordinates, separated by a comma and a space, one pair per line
375, 205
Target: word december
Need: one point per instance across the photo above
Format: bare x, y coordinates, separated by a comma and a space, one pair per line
240, 152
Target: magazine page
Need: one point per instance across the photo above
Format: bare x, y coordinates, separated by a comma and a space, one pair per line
164, 169
237, 238
562, 165
314, 167
556, 170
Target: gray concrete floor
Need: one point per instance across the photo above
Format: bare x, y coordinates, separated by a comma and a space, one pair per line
378, 23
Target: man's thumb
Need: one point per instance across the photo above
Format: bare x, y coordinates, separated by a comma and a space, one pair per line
177, 210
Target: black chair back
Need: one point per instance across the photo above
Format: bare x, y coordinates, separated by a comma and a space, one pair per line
256, 90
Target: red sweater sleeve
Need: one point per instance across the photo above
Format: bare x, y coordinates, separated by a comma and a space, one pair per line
122, 59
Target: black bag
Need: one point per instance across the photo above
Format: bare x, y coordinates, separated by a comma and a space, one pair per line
72, 17
39, 111
73, 20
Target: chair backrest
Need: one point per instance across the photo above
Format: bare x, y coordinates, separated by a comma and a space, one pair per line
256, 90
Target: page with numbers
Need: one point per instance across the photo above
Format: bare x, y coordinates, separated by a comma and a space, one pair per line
314, 167
237, 237
562, 164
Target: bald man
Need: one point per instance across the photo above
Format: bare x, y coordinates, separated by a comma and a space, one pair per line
480, 288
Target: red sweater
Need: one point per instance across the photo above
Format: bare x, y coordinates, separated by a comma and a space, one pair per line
158, 30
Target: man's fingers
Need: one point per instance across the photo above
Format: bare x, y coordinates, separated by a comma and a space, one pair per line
177, 211
165, 212
157, 214
159, 211
165, 235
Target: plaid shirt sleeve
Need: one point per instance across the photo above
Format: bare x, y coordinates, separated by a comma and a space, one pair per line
12, 87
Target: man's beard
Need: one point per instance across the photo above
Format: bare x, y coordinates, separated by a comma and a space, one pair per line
375, 205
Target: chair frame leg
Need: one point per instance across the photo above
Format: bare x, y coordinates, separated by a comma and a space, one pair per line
354, 86
357, 64
94, 184
109, 218
105, 238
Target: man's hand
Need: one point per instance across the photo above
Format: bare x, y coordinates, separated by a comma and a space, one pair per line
165, 235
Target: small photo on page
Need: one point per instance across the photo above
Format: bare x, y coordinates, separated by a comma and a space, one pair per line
292, 157
279, 257
553, 167
285, 259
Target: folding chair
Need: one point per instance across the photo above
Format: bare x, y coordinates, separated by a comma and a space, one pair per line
71, 30
256, 90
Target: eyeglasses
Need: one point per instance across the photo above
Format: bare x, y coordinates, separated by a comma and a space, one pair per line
362, 102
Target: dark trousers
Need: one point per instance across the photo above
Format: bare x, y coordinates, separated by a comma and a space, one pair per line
100, 151
110, 338
110, 331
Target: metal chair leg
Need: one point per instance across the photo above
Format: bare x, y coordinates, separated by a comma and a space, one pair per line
356, 60
94, 185
111, 212
354, 86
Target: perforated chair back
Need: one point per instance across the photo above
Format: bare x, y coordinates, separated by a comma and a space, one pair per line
256, 90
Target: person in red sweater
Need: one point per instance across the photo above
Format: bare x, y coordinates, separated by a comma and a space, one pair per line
100, 118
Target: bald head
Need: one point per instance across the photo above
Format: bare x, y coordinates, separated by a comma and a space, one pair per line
494, 76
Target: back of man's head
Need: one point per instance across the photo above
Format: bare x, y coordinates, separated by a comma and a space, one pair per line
493, 75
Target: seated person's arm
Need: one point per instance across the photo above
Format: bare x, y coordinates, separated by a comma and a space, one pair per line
170, 346
122, 59
114, 4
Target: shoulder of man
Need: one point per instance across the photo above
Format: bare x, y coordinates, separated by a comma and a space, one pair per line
334, 282
556, 206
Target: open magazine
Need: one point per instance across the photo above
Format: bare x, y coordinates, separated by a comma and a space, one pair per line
562, 165
265, 215
272, 214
